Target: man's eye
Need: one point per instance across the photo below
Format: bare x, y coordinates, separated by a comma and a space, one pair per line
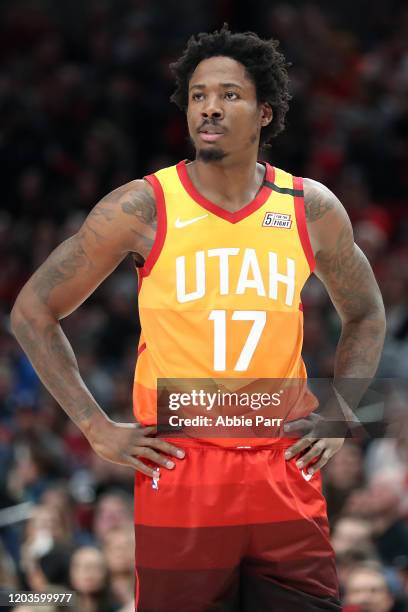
197, 96
231, 95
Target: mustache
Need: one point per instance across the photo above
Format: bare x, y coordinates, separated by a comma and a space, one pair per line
213, 123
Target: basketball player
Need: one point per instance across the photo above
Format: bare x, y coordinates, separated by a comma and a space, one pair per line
223, 245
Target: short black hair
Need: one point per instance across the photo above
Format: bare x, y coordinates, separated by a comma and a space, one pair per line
264, 64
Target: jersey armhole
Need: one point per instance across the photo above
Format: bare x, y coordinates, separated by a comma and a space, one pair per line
161, 227
301, 221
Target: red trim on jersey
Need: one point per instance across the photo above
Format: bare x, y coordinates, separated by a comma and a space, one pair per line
232, 217
301, 223
301, 306
141, 349
161, 228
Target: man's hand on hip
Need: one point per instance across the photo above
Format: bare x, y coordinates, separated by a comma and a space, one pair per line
128, 443
314, 450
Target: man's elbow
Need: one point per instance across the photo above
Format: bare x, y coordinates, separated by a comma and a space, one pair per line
18, 315
377, 313
29, 309
359, 309
372, 316
26, 308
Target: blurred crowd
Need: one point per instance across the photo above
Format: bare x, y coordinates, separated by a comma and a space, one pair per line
84, 90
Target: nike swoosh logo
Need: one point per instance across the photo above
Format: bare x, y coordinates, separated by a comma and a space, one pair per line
179, 223
306, 476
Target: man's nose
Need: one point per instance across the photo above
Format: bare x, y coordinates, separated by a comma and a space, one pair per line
212, 109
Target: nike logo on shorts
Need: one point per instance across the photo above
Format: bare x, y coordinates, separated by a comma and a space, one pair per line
179, 223
155, 482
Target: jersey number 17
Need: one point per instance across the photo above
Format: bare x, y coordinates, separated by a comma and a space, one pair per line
220, 337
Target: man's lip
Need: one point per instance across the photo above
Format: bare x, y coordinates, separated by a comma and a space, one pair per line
210, 136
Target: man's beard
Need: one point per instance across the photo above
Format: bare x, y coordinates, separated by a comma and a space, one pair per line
210, 155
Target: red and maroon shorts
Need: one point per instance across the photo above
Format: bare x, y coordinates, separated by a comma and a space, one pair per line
230, 530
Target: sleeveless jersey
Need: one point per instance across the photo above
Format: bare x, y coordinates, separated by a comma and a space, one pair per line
219, 293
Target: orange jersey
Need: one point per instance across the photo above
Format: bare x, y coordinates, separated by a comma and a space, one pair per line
219, 294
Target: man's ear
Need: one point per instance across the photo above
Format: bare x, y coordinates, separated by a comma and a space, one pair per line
266, 114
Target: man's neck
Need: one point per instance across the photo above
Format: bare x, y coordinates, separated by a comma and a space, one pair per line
229, 185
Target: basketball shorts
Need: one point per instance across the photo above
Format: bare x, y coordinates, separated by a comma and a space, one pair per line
233, 530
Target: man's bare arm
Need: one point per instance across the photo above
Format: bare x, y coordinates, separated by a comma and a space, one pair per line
123, 222
350, 282
347, 275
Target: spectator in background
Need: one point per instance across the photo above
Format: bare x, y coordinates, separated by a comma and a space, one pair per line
89, 579
389, 455
36, 463
47, 522
119, 554
389, 527
353, 544
49, 570
58, 500
113, 510
366, 590
352, 533
380, 503
45, 547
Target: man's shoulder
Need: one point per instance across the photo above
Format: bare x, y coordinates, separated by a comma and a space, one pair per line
319, 200
138, 198
134, 198
327, 219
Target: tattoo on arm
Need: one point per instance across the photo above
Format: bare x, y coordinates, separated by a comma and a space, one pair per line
136, 203
350, 281
54, 360
25, 334
102, 213
144, 241
359, 349
60, 351
65, 262
348, 276
317, 202
142, 205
